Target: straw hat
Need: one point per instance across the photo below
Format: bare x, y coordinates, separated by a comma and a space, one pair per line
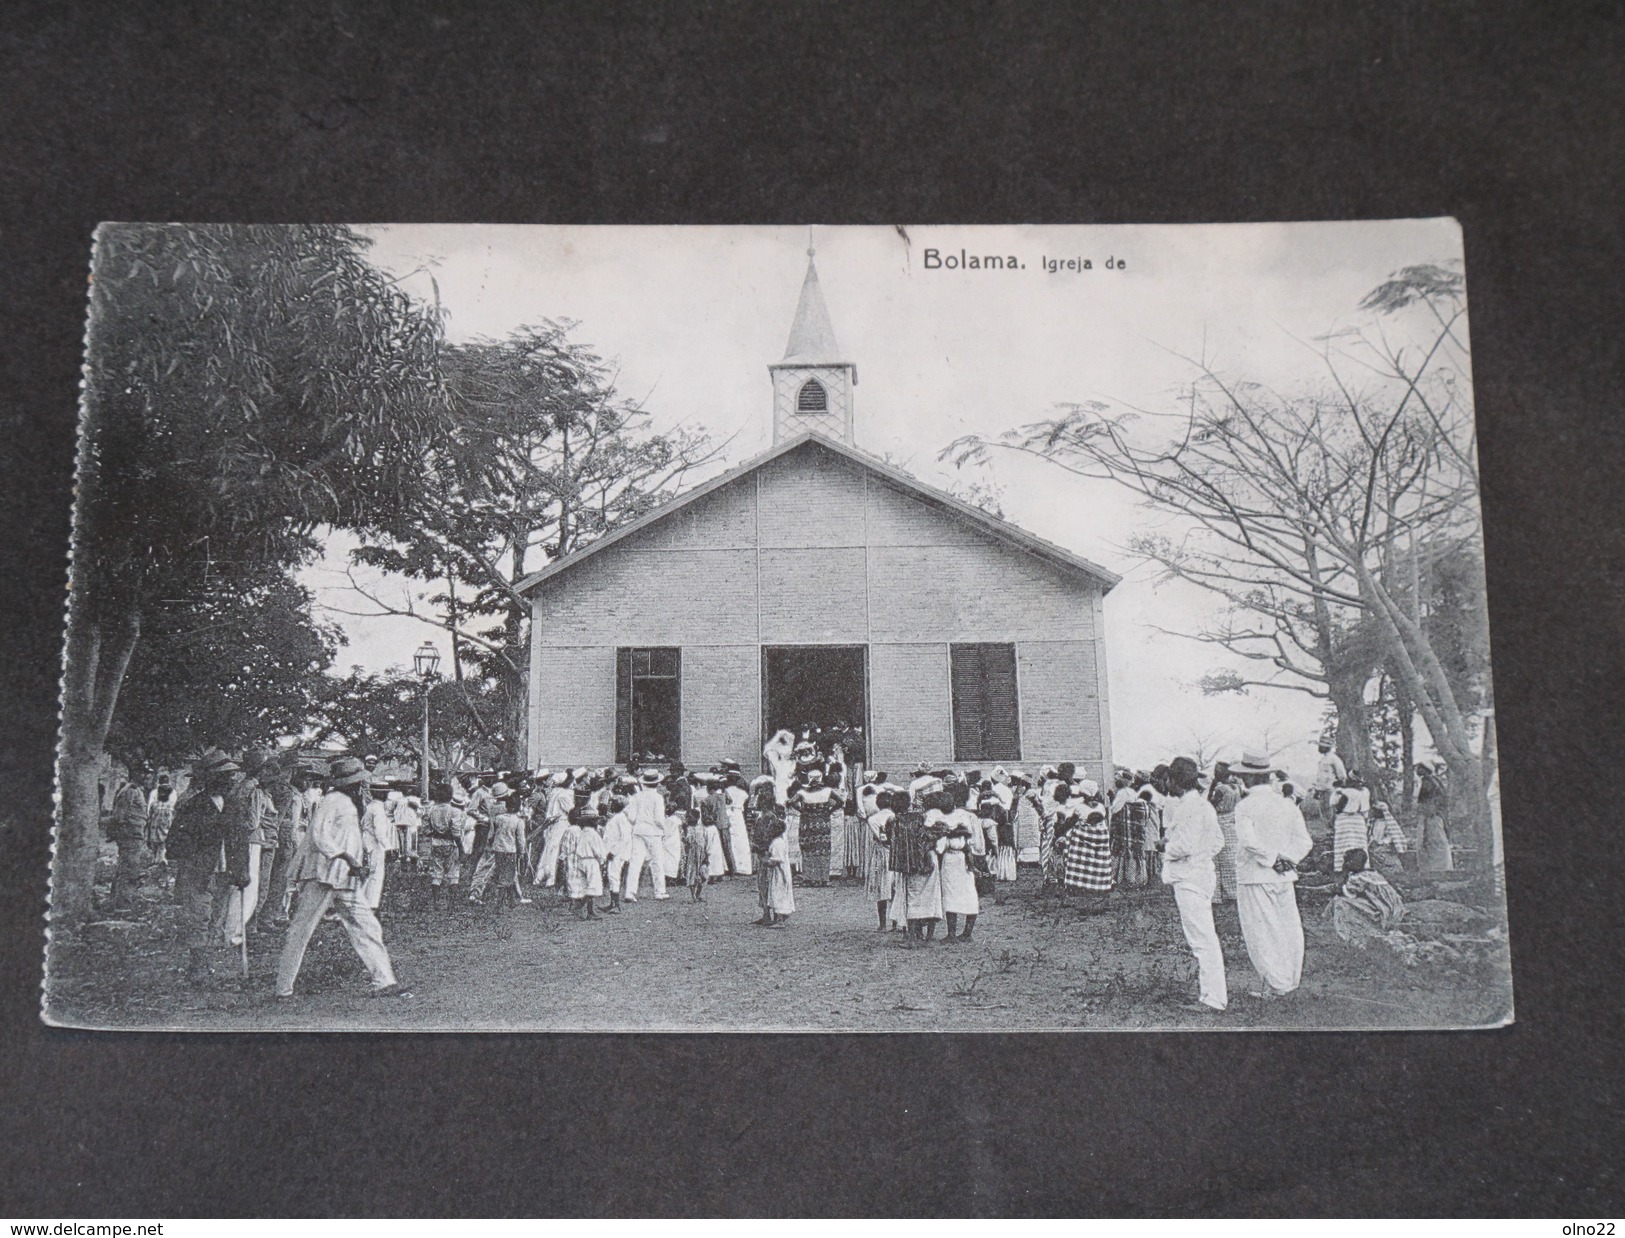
650, 778
1252, 763
347, 772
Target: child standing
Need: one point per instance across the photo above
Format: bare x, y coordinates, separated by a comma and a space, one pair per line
583, 854
617, 851
781, 898
694, 854
878, 876
506, 846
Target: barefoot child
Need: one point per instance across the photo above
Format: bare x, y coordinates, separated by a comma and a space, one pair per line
506, 846
583, 856
694, 854
781, 898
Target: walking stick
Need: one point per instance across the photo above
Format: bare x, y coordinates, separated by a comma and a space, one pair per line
242, 928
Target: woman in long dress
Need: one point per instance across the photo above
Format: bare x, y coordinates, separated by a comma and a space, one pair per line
921, 889
1089, 856
738, 836
1351, 827
879, 879
815, 805
779, 754
1224, 797
997, 824
764, 818
1060, 820
1432, 807
958, 883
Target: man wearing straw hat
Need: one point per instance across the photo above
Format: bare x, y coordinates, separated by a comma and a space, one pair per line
646, 813
1191, 840
1271, 840
332, 873
196, 844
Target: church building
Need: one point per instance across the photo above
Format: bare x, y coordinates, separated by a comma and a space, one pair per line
816, 585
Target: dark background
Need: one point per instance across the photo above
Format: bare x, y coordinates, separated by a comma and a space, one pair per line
1507, 117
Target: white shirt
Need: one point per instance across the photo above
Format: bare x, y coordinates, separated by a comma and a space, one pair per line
1268, 826
1191, 838
646, 811
1329, 770
335, 831
618, 836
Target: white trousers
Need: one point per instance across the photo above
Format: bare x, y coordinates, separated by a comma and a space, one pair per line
615, 875
1273, 932
1196, 918
359, 920
243, 902
650, 852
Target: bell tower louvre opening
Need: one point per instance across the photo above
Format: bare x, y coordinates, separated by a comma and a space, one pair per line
805, 686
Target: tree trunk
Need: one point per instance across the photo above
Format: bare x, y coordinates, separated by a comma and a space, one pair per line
93, 673
1407, 750
1353, 723
1417, 667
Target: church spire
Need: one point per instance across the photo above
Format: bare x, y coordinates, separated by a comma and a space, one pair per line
812, 385
812, 337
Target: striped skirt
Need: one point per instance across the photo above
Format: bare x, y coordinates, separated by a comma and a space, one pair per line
1225, 861
1349, 831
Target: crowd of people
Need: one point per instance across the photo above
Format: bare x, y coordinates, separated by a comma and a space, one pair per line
275, 842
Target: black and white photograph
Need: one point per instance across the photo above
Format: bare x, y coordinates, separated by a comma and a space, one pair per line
980, 629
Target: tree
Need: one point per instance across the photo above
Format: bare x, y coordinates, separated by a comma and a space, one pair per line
231, 669
1316, 516
547, 457
245, 385
382, 714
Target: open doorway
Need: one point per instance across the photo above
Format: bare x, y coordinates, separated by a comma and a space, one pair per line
806, 686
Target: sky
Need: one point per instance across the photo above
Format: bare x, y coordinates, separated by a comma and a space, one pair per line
694, 315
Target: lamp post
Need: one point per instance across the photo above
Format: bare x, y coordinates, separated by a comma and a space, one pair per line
426, 661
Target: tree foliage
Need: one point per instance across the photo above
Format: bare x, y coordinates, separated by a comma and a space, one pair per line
230, 670
382, 713
244, 385
547, 456
1319, 517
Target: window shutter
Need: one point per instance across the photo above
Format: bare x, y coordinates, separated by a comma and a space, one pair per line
623, 705
986, 713
966, 675
1001, 733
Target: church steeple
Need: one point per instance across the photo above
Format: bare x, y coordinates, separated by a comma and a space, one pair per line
812, 385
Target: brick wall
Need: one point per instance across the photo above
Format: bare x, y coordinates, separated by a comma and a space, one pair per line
574, 711
722, 707
633, 594
909, 718
844, 558
1060, 708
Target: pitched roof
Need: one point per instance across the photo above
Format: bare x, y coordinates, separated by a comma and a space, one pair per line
812, 337
998, 530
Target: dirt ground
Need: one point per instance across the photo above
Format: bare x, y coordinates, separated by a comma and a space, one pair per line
1036, 963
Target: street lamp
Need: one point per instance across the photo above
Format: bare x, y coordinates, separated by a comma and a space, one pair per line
426, 661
